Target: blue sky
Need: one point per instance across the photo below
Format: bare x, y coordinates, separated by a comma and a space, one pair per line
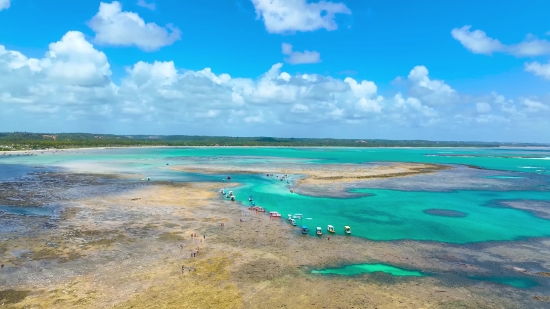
476, 85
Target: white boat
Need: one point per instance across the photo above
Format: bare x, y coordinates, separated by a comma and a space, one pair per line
298, 216
289, 217
293, 222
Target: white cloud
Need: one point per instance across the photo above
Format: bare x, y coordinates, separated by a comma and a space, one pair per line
530, 47
478, 42
49, 94
4, 4
542, 70
535, 106
280, 16
432, 92
114, 27
295, 57
483, 107
151, 6
365, 88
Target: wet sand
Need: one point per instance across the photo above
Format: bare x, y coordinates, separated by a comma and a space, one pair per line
123, 244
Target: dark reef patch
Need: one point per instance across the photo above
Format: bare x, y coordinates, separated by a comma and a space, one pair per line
445, 213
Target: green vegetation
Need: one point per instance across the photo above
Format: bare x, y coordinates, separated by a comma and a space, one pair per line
26, 141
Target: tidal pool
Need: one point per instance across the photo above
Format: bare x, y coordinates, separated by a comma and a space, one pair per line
521, 283
28, 211
358, 269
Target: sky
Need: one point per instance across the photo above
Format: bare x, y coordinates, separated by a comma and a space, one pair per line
436, 70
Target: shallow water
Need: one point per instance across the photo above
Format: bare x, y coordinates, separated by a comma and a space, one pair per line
521, 283
379, 213
29, 211
358, 269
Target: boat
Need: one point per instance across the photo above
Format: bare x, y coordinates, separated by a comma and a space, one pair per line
228, 177
330, 229
347, 229
304, 229
233, 198
274, 214
319, 232
250, 199
230, 193
293, 222
298, 216
289, 217
253, 204
222, 191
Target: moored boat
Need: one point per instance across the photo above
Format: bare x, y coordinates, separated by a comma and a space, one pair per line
347, 229
330, 229
319, 232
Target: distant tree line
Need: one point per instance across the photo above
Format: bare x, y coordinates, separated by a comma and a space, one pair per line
25, 141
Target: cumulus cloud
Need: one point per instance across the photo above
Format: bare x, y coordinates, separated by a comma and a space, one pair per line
432, 92
151, 6
478, 42
542, 70
114, 27
295, 57
70, 88
4, 4
282, 16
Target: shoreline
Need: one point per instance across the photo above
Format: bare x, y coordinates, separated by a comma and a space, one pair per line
289, 147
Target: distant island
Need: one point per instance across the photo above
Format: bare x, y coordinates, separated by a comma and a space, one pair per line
28, 141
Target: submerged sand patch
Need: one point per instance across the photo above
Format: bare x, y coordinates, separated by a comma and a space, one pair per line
322, 174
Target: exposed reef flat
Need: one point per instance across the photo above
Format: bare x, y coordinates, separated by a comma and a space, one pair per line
123, 244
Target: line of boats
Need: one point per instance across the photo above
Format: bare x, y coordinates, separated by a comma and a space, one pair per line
291, 218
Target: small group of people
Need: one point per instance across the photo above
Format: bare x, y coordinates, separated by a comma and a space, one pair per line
189, 269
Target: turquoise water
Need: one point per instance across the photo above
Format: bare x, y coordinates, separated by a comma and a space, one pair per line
521, 283
486, 158
382, 214
393, 215
358, 269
